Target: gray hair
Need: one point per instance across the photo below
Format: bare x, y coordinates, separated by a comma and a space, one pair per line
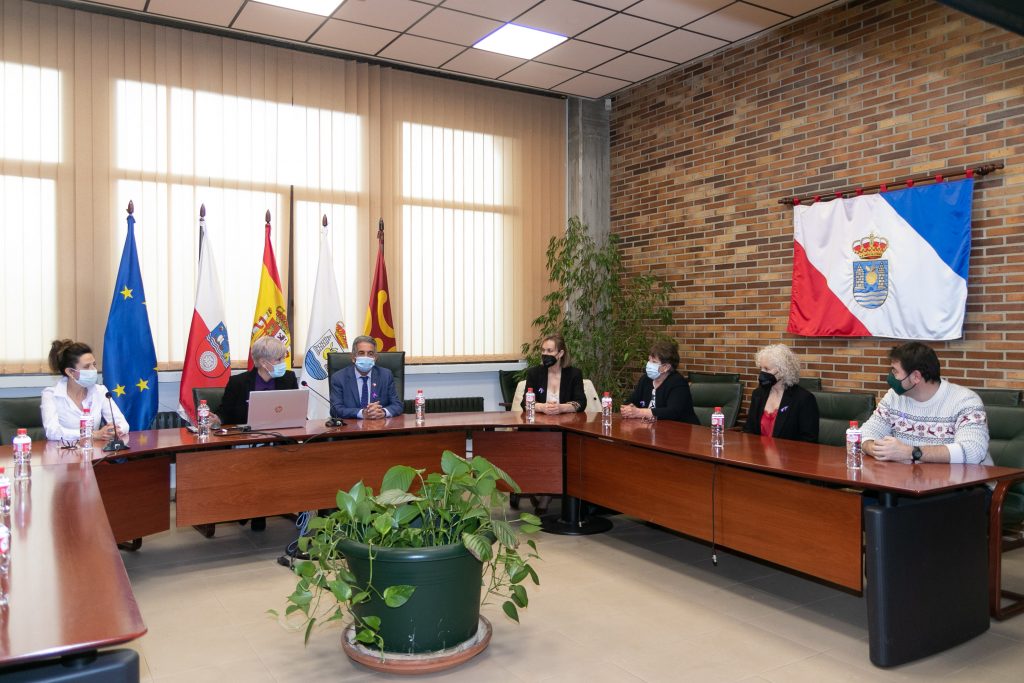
363, 339
267, 348
784, 359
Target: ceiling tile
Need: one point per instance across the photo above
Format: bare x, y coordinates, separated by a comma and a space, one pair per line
423, 51
613, 4
127, 4
574, 54
483, 63
681, 46
345, 35
737, 21
624, 32
591, 85
502, 10
396, 15
676, 12
632, 67
565, 17
793, 7
205, 11
454, 27
539, 75
276, 21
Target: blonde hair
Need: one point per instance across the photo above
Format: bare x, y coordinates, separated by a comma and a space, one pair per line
784, 359
559, 346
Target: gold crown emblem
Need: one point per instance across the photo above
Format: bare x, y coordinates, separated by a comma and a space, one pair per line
871, 247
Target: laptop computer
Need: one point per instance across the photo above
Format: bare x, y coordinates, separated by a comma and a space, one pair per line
278, 409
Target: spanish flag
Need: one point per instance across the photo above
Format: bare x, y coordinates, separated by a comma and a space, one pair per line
379, 323
271, 317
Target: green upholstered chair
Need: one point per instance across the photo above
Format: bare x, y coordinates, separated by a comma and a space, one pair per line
212, 395
1006, 523
811, 383
392, 360
20, 412
507, 380
461, 404
713, 377
999, 397
836, 409
708, 395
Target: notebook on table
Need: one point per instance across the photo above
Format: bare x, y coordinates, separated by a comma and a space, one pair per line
278, 409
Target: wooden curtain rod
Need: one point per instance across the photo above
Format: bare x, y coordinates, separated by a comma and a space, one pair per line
933, 176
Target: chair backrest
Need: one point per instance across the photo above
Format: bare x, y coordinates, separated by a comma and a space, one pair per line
999, 397
836, 409
392, 360
507, 380
517, 398
167, 420
708, 395
461, 404
213, 396
810, 383
593, 400
20, 412
713, 378
1006, 435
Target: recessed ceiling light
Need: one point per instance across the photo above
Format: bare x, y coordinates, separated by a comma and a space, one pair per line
519, 41
324, 8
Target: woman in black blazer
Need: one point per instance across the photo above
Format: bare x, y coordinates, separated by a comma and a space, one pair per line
268, 372
557, 386
779, 406
662, 392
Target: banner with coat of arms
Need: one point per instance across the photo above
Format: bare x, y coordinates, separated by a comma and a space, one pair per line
892, 264
270, 318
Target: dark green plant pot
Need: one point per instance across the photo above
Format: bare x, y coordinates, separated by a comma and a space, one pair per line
443, 611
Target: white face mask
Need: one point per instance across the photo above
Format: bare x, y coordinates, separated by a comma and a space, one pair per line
87, 378
653, 369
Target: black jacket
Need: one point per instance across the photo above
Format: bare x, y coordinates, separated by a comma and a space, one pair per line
797, 418
234, 407
672, 400
570, 389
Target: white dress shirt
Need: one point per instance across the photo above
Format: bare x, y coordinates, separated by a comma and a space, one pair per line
61, 415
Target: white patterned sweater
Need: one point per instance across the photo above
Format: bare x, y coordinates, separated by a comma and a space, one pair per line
954, 417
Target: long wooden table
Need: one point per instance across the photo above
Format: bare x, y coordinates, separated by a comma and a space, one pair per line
790, 503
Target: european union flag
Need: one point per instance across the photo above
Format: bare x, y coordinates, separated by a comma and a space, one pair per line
129, 357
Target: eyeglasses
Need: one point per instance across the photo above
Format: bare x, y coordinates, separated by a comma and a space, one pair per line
68, 444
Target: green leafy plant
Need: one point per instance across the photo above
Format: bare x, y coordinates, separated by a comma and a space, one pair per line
608, 317
462, 504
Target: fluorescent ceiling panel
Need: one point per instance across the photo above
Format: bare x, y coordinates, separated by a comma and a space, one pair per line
324, 8
519, 41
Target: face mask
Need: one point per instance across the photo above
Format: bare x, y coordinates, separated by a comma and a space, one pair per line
653, 369
277, 370
548, 360
364, 364
895, 384
766, 379
87, 378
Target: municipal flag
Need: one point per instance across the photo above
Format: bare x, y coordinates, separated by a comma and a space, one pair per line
379, 323
129, 357
208, 354
892, 264
271, 317
326, 329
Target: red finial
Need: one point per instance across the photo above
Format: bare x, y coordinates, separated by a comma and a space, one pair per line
131, 207
938, 178
817, 198
202, 210
796, 201
910, 182
882, 187
860, 191
969, 173
839, 195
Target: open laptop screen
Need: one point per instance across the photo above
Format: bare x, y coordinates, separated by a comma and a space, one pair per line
278, 409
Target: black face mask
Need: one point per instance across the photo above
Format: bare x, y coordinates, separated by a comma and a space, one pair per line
766, 379
548, 360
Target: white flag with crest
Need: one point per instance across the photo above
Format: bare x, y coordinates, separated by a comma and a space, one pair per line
326, 330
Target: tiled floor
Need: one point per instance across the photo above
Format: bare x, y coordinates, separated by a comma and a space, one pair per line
635, 604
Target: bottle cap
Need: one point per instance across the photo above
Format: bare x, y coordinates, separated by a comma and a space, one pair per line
853, 423
22, 431
608, 393
2, 469
718, 409
202, 401
529, 388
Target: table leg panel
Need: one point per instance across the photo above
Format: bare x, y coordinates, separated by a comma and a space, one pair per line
532, 459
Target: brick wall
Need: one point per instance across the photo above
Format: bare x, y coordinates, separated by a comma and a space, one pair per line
859, 94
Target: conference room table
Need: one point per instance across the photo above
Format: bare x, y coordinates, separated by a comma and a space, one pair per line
911, 528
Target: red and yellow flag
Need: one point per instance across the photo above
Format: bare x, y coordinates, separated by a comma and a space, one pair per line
379, 323
271, 316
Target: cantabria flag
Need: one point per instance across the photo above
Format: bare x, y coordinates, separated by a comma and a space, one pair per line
326, 329
892, 264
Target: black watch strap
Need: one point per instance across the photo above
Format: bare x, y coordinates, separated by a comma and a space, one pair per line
917, 454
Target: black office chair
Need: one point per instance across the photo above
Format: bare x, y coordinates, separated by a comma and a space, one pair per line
392, 360
213, 396
836, 409
1006, 525
810, 383
16, 413
167, 419
999, 397
709, 395
713, 377
507, 381
459, 404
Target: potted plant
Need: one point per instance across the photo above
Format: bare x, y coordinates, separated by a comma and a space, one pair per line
406, 565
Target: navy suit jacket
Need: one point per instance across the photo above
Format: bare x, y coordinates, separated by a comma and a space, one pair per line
345, 390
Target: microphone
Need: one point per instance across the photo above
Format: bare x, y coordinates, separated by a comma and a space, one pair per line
115, 444
331, 421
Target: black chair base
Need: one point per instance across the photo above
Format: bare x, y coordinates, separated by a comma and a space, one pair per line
571, 521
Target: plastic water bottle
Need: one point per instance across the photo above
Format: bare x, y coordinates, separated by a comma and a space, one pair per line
718, 429
5, 492
421, 407
854, 452
22, 455
531, 405
203, 419
5, 560
606, 409
85, 430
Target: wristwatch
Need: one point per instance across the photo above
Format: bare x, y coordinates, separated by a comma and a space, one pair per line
916, 454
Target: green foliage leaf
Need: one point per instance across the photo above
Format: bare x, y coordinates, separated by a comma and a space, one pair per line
309, 629
341, 590
382, 523
519, 596
395, 497
505, 534
452, 464
529, 528
365, 636
346, 502
478, 546
372, 622
510, 610
304, 568
399, 477
529, 518
533, 575
396, 596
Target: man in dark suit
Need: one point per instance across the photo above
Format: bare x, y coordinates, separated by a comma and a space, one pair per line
364, 391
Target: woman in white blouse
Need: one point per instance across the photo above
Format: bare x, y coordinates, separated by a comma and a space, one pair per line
63, 404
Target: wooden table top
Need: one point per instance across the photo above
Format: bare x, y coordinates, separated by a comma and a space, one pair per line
67, 586
779, 456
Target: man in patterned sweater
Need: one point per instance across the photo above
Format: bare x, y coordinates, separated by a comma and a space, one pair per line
923, 418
